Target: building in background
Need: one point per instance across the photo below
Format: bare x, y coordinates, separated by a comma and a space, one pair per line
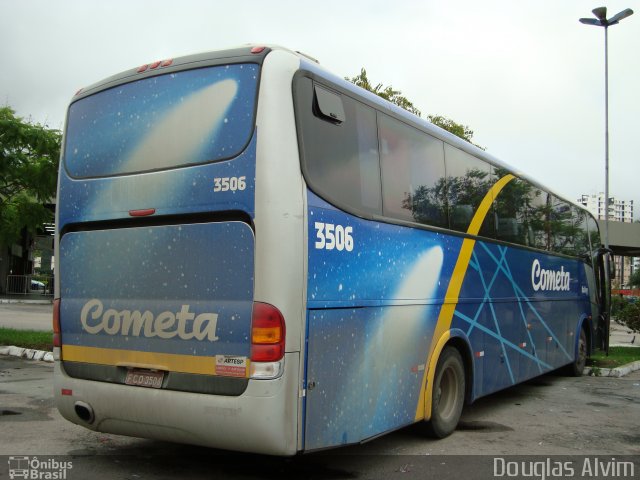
619, 211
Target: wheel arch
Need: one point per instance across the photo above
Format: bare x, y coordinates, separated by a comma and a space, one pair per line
460, 342
586, 323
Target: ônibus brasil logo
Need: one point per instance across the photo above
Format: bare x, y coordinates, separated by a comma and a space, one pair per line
37, 469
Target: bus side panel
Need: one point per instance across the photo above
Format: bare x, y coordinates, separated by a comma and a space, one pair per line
374, 295
520, 309
365, 372
335, 401
373, 306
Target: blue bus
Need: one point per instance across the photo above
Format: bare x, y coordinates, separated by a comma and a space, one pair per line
256, 255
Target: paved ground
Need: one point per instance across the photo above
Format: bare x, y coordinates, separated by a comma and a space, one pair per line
26, 316
621, 335
551, 415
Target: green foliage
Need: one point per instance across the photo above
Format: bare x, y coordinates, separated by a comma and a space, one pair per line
626, 312
396, 97
388, 93
26, 338
617, 357
629, 316
29, 156
634, 279
596, 371
617, 305
462, 131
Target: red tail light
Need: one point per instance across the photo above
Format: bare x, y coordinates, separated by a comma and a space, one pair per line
267, 333
145, 212
57, 339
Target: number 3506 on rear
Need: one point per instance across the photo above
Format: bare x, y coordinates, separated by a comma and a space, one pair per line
229, 184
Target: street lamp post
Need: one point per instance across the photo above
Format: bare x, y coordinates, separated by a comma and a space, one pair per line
601, 21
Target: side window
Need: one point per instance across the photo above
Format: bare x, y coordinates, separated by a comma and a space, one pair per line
339, 147
594, 235
513, 210
469, 179
582, 235
536, 215
561, 227
413, 184
328, 105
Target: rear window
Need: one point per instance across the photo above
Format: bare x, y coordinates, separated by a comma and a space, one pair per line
176, 119
340, 147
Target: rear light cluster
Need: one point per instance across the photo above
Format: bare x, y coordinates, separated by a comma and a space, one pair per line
154, 65
267, 333
57, 339
267, 341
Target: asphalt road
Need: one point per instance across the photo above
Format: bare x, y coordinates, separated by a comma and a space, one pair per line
26, 316
551, 415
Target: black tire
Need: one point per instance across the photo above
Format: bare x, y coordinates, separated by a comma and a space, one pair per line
447, 397
577, 367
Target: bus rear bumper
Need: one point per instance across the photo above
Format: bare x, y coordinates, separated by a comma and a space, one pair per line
261, 420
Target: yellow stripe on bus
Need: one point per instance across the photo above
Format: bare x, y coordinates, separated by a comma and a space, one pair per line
137, 359
442, 333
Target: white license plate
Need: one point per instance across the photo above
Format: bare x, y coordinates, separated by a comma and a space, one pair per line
144, 378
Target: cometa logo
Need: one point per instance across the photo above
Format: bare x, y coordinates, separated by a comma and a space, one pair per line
182, 324
556, 280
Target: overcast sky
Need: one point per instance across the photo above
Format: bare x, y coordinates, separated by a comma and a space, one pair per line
525, 75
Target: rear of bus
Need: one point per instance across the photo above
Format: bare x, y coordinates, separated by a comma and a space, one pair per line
179, 289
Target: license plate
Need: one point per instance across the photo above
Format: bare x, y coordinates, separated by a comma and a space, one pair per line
144, 378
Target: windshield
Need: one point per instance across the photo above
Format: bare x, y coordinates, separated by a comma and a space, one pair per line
184, 118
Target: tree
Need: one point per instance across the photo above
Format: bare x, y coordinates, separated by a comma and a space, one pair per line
634, 279
396, 97
462, 131
388, 93
629, 316
29, 156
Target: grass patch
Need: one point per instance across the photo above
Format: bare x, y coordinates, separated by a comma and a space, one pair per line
618, 356
26, 338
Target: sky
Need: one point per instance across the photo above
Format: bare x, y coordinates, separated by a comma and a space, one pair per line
524, 75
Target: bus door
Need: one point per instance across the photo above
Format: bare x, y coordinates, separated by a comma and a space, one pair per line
603, 272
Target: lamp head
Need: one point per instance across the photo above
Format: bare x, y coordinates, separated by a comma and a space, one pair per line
600, 13
619, 16
591, 21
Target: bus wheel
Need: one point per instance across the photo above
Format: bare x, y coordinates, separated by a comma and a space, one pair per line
448, 394
577, 367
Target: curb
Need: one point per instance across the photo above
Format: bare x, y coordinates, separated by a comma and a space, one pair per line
613, 372
27, 353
